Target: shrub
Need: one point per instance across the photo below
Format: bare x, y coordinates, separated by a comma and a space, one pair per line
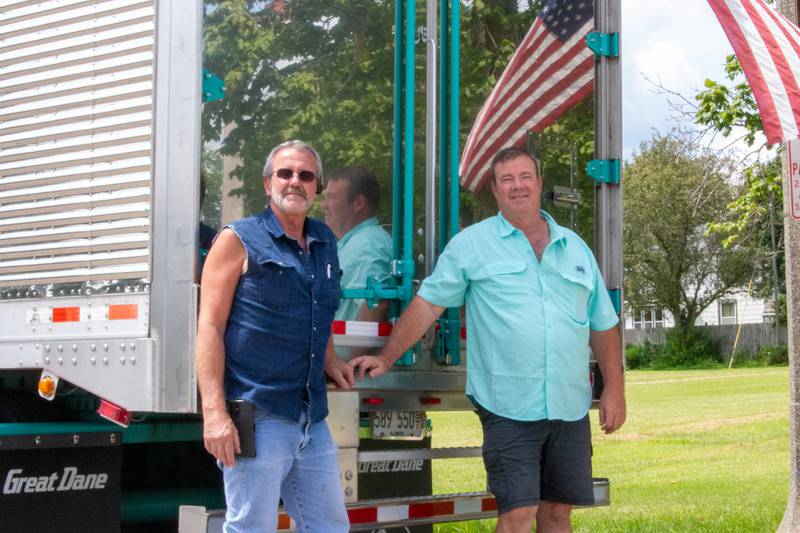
774, 355
640, 356
742, 358
691, 348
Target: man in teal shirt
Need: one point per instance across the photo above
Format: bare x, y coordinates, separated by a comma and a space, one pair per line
536, 303
364, 247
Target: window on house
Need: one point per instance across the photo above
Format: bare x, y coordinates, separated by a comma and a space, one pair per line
636, 315
648, 318
727, 312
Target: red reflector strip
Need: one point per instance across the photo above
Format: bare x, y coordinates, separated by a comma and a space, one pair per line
430, 400
591, 378
123, 312
426, 510
365, 515
488, 504
355, 327
66, 314
463, 332
372, 401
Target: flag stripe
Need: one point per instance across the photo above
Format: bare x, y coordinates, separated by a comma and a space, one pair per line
535, 90
546, 76
790, 56
483, 114
539, 124
749, 64
524, 94
781, 80
768, 48
531, 118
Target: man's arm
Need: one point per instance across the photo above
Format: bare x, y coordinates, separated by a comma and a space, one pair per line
221, 273
411, 325
607, 349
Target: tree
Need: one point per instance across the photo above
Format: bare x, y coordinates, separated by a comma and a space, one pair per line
673, 190
322, 71
758, 209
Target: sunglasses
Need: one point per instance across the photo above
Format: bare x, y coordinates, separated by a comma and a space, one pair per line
305, 175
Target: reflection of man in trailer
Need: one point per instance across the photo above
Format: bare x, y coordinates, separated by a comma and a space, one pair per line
365, 249
535, 304
269, 291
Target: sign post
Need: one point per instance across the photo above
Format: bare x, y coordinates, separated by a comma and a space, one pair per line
791, 209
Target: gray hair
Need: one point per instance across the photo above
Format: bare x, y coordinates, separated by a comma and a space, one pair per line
294, 145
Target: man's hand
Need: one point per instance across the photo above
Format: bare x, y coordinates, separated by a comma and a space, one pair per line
612, 409
374, 365
340, 372
220, 437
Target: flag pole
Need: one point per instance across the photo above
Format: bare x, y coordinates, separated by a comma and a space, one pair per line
790, 161
791, 517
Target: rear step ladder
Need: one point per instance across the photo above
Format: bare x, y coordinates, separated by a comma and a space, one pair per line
390, 512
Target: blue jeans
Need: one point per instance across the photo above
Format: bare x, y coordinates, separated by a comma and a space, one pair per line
297, 462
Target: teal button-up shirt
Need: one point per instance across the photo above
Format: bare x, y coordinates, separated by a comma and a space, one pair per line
528, 321
364, 251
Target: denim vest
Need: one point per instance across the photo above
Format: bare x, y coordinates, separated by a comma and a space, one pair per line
280, 318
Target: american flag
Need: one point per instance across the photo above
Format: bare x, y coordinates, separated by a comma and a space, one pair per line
768, 48
551, 71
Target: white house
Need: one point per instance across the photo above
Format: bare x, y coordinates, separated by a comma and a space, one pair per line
739, 308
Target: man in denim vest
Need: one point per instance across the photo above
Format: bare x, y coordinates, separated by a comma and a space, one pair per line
535, 304
270, 288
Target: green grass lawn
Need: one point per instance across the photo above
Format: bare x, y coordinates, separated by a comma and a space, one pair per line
702, 450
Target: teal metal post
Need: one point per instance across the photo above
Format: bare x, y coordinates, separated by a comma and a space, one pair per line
397, 144
444, 40
407, 264
454, 320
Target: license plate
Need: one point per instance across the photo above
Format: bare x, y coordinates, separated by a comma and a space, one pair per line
398, 425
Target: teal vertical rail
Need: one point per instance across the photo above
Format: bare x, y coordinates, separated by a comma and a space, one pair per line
397, 141
444, 40
407, 264
454, 320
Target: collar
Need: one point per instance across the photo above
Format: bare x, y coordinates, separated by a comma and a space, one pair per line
311, 229
505, 228
372, 221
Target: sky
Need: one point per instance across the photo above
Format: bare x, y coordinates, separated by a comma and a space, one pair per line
678, 42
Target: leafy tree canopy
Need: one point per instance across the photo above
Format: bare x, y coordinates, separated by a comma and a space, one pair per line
673, 190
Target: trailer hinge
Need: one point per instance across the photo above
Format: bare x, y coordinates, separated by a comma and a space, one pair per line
604, 170
603, 44
616, 300
213, 87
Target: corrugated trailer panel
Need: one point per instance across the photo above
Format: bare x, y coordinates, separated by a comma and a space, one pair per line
76, 115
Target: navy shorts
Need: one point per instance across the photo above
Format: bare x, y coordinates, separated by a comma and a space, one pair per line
527, 462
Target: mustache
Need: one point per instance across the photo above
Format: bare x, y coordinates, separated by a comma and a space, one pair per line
294, 190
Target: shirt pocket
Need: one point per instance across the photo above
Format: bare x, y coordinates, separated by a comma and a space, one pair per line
575, 296
330, 288
277, 281
506, 283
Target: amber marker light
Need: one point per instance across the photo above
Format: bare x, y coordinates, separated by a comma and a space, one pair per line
47, 387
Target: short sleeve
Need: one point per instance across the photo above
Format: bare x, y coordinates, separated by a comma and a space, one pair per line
602, 315
448, 283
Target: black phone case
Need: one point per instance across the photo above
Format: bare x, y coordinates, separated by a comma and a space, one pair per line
242, 414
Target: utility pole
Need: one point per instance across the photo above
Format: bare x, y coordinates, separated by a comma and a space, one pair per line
790, 160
